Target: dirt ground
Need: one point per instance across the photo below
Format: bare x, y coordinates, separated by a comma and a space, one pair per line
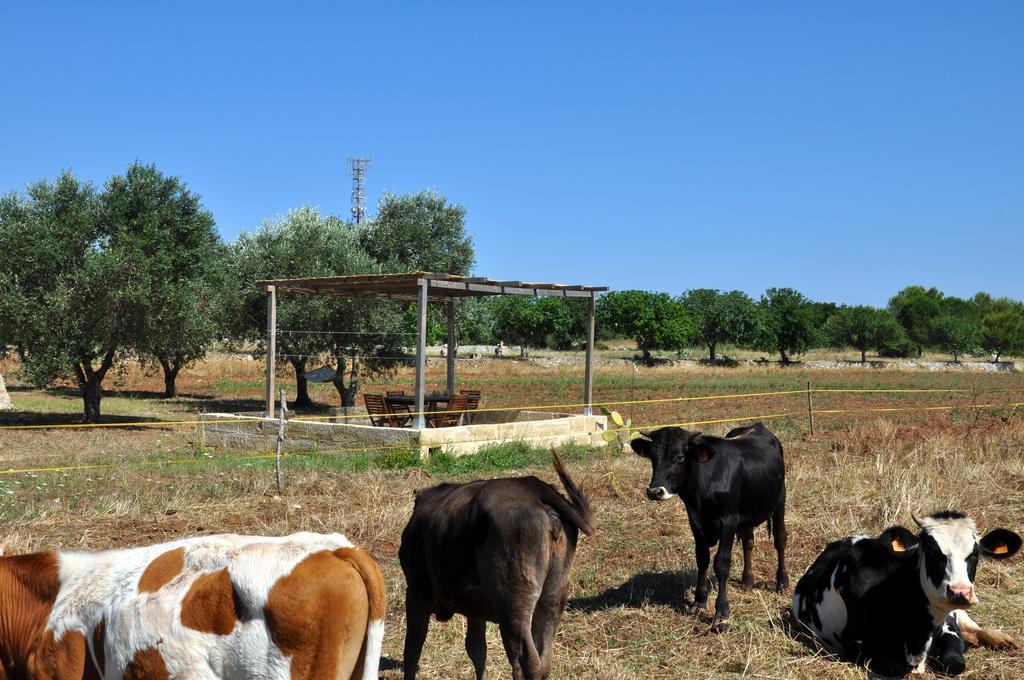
859, 473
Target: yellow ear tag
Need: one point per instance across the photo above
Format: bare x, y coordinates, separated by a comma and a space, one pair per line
897, 546
1001, 549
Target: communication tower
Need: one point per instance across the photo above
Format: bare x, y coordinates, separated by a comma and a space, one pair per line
357, 168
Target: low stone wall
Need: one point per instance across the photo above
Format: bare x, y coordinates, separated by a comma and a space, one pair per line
537, 428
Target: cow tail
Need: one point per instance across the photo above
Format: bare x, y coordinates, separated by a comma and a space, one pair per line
769, 527
376, 594
578, 508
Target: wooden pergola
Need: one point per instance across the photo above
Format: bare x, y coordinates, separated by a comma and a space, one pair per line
423, 287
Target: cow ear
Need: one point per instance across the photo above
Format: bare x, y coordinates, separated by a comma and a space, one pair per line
700, 449
1000, 544
641, 446
898, 541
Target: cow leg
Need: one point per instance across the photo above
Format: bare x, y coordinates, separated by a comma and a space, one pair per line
548, 612
703, 555
747, 539
781, 538
522, 654
417, 619
723, 561
476, 645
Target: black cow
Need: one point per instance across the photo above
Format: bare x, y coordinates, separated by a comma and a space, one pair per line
895, 603
495, 550
729, 485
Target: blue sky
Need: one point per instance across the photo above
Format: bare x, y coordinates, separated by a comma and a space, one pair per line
844, 149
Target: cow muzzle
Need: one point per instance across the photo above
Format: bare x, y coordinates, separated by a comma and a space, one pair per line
659, 493
961, 595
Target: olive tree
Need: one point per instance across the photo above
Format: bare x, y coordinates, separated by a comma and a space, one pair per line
722, 317
183, 272
862, 328
86, 270
787, 323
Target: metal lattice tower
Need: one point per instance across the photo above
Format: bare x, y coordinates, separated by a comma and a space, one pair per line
357, 168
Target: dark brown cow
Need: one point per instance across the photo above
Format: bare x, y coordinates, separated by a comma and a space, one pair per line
495, 550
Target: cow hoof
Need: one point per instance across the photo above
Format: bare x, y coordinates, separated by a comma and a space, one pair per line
719, 626
747, 583
694, 607
782, 583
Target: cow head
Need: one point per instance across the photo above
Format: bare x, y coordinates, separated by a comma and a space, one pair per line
949, 549
669, 449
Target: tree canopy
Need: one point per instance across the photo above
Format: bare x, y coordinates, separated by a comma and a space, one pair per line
862, 328
87, 270
654, 320
787, 323
719, 317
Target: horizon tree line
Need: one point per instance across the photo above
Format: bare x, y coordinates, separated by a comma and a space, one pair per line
93, 278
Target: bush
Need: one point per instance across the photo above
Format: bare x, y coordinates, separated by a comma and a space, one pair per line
899, 347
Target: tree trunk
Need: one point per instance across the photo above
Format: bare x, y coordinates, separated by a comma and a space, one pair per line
91, 383
711, 351
863, 356
171, 370
647, 355
347, 393
5, 399
996, 360
302, 399
782, 353
92, 393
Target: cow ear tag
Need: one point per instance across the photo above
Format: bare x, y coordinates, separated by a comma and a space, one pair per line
1001, 549
897, 545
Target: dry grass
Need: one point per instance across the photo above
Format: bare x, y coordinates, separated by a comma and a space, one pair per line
857, 475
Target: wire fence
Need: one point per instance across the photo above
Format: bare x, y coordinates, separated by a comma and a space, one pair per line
809, 413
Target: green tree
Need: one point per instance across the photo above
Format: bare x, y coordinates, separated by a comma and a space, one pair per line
87, 271
184, 258
787, 323
313, 328
722, 317
1002, 329
654, 320
551, 322
862, 328
916, 308
957, 335
419, 232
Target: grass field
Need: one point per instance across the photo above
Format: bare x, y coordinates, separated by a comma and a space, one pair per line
859, 473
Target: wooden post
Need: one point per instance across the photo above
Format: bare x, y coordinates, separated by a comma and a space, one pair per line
421, 354
451, 346
268, 412
588, 376
810, 407
280, 441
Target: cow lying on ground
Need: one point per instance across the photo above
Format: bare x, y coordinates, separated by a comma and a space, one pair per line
302, 606
495, 550
729, 485
895, 603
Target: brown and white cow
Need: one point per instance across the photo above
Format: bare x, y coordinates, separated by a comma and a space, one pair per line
299, 607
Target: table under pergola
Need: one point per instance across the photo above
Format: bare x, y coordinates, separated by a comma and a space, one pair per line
423, 288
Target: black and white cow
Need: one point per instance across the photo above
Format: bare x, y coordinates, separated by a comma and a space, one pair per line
895, 603
729, 485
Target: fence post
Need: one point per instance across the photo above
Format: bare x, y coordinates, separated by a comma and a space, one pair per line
810, 407
280, 441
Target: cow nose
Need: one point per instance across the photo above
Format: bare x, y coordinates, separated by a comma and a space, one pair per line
960, 594
657, 493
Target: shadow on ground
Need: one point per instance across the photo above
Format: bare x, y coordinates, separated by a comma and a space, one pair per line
665, 589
